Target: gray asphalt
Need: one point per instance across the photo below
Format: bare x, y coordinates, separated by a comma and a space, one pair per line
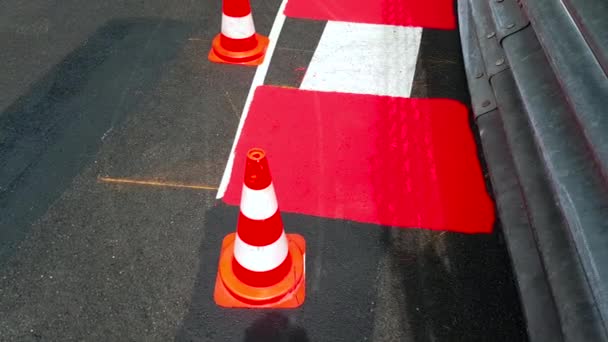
119, 89
123, 89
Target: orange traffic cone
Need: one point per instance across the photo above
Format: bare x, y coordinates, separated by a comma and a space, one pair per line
238, 43
260, 266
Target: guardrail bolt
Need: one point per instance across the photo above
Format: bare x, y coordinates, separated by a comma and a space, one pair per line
479, 75
491, 35
485, 103
500, 62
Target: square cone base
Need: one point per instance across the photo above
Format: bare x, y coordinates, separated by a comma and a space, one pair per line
252, 57
293, 299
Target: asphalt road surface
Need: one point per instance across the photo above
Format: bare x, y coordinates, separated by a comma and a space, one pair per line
124, 90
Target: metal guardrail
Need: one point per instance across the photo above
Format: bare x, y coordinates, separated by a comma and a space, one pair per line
537, 74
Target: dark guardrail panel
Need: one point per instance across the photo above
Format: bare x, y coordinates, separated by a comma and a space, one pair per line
538, 305
574, 179
508, 16
591, 19
493, 56
585, 86
579, 72
570, 288
482, 98
546, 62
548, 225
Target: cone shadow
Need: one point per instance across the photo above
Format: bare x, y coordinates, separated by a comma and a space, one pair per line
274, 327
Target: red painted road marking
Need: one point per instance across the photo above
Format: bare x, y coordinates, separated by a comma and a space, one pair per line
375, 159
438, 14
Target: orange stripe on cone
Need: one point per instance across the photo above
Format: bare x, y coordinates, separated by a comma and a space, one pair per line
260, 266
238, 42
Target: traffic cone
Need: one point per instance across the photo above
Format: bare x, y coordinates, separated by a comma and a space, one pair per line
238, 42
260, 266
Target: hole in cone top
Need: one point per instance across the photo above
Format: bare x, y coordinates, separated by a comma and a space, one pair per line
257, 174
256, 154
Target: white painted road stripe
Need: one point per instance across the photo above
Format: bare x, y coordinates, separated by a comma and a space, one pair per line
261, 259
364, 59
258, 80
238, 27
259, 204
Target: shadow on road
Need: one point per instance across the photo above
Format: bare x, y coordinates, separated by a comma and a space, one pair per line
455, 287
274, 327
51, 133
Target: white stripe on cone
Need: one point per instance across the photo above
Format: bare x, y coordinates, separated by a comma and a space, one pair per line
261, 258
258, 204
238, 27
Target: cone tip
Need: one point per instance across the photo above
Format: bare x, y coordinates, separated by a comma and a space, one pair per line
257, 174
256, 154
